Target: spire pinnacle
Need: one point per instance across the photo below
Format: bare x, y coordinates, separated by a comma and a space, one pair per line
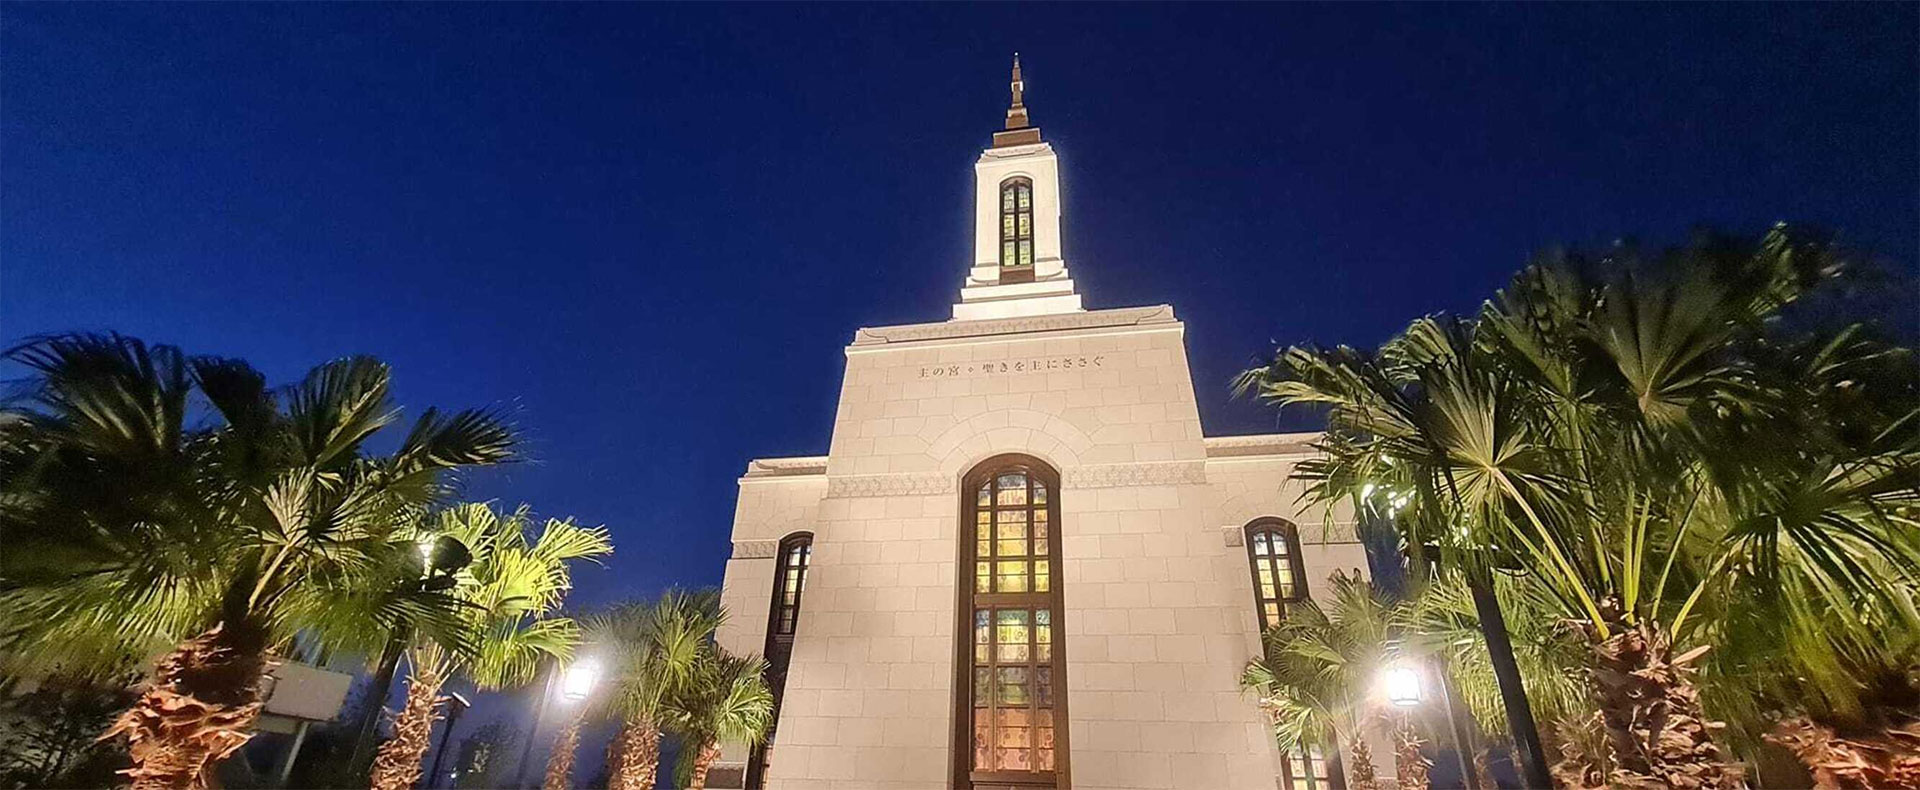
1019, 131
1019, 107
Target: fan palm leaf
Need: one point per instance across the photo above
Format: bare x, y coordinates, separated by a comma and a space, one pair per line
653, 649
1629, 430
139, 522
506, 621
724, 699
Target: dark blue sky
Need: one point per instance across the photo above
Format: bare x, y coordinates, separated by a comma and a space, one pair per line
651, 229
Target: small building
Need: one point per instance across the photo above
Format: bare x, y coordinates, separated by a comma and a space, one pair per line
1021, 563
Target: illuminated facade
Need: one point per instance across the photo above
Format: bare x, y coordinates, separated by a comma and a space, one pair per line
1020, 563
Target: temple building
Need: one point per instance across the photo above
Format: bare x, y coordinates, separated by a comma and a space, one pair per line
1021, 563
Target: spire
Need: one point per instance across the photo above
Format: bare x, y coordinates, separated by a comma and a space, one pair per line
1017, 114
1019, 131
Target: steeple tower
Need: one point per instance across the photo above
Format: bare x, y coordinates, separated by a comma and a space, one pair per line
1017, 266
1019, 131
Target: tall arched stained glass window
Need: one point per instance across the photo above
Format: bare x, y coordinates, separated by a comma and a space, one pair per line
1010, 692
1273, 549
1016, 222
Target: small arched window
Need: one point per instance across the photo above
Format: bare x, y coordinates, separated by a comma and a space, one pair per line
1016, 222
1273, 550
1309, 769
783, 619
790, 581
1010, 689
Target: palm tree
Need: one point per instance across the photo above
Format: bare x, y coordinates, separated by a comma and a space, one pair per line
509, 594
132, 527
1314, 678
1631, 440
654, 649
566, 746
725, 699
1443, 621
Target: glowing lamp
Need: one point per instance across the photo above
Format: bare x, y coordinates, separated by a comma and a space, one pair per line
578, 681
1403, 686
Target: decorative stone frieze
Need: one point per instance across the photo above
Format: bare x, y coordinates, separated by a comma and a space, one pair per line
1140, 474
755, 549
851, 486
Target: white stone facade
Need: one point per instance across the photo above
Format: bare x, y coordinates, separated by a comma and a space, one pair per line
1158, 614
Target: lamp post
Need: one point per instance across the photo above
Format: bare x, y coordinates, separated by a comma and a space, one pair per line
539, 718
1506, 670
572, 684
456, 705
440, 558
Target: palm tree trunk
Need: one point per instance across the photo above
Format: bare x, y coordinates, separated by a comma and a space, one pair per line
638, 758
702, 763
1361, 755
198, 708
1582, 763
560, 763
1657, 732
1411, 768
1483, 769
1532, 761
397, 765
1887, 759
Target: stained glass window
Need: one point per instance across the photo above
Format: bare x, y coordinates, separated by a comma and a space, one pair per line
1307, 769
790, 582
1016, 222
1273, 549
1013, 704
783, 619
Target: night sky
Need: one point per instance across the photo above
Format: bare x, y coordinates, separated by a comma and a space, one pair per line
650, 230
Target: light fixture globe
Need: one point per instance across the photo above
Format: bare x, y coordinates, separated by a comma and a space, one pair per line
1402, 684
579, 679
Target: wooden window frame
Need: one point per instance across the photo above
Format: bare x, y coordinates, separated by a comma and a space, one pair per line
778, 649
1012, 271
1332, 778
1296, 567
963, 777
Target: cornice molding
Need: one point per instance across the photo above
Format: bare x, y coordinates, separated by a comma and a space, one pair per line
787, 467
755, 549
855, 486
1138, 474
1261, 444
1092, 319
1016, 151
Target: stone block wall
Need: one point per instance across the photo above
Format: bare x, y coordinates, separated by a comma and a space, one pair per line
1158, 616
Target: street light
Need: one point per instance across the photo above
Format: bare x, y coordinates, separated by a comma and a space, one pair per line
456, 704
1403, 685
579, 680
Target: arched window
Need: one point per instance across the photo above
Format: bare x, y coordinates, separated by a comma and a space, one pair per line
789, 581
1016, 226
1011, 688
783, 617
1273, 549
1308, 769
